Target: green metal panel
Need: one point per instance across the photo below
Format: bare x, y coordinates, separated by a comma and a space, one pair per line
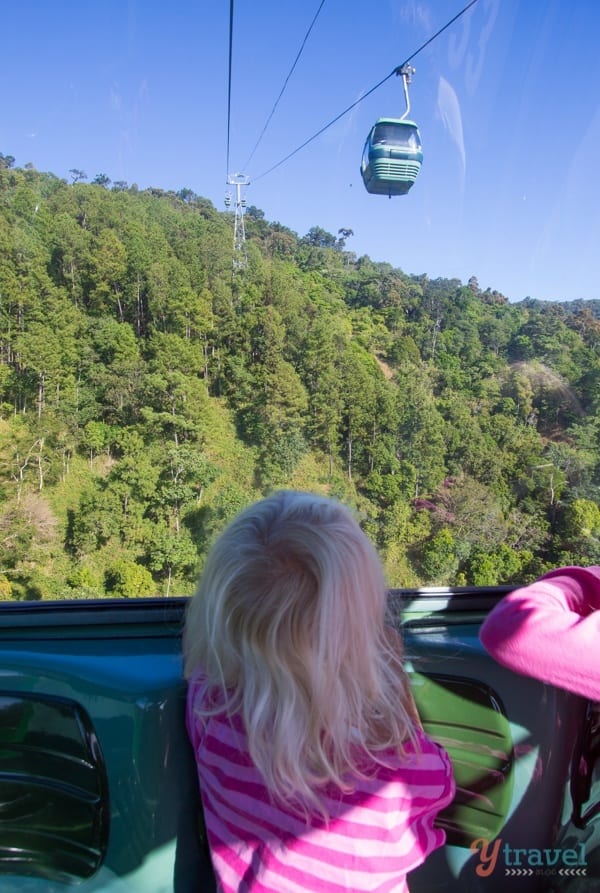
468, 719
54, 810
123, 668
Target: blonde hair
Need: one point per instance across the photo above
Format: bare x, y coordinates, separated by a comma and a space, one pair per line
288, 625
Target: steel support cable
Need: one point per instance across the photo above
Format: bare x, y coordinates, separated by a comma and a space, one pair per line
229, 84
368, 93
285, 83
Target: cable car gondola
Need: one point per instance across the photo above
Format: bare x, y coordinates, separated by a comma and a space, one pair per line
393, 154
392, 157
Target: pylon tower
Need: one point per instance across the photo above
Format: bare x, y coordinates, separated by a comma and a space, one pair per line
240, 259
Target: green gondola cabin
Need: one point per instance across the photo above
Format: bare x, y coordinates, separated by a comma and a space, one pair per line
392, 157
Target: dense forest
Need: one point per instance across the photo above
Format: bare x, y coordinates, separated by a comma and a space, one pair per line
147, 394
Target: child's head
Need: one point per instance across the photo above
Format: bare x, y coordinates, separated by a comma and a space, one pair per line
293, 577
288, 623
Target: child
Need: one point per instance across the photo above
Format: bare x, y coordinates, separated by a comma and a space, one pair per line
550, 630
314, 772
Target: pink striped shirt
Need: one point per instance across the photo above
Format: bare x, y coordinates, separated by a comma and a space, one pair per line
376, 834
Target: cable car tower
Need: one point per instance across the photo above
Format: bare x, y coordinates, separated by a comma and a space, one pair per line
240, 258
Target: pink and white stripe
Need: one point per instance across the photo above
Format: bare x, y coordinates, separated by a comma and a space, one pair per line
376, 834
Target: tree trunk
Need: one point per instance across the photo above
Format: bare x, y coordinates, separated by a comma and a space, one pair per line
40, 395
349, 457
40, 465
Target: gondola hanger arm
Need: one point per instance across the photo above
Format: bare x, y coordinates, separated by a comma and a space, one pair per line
406, 72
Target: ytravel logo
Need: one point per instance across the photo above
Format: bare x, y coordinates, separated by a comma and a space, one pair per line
521, 861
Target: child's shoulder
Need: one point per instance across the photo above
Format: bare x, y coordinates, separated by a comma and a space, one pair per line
426, 756
431, 761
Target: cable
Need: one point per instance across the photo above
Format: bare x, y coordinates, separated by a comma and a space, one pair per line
364, 96
285, 83
229, 87
326, 127
437, 34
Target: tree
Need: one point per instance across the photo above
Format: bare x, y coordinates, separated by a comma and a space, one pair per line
438, 558
71, 258
473, 513
500, 566
187, 195
419, 430
358, 385
343, 236
319, 238
77, 175
23, 457
183, 478
96, 437
94, 523
128, 579
114, 368
101, 180
40, 351
581, 520
109, 271
172, 555
283, 412
281, 244
6, 590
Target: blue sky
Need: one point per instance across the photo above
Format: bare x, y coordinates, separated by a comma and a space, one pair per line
506, 100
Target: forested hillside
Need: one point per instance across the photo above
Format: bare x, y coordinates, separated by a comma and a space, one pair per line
146, 395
